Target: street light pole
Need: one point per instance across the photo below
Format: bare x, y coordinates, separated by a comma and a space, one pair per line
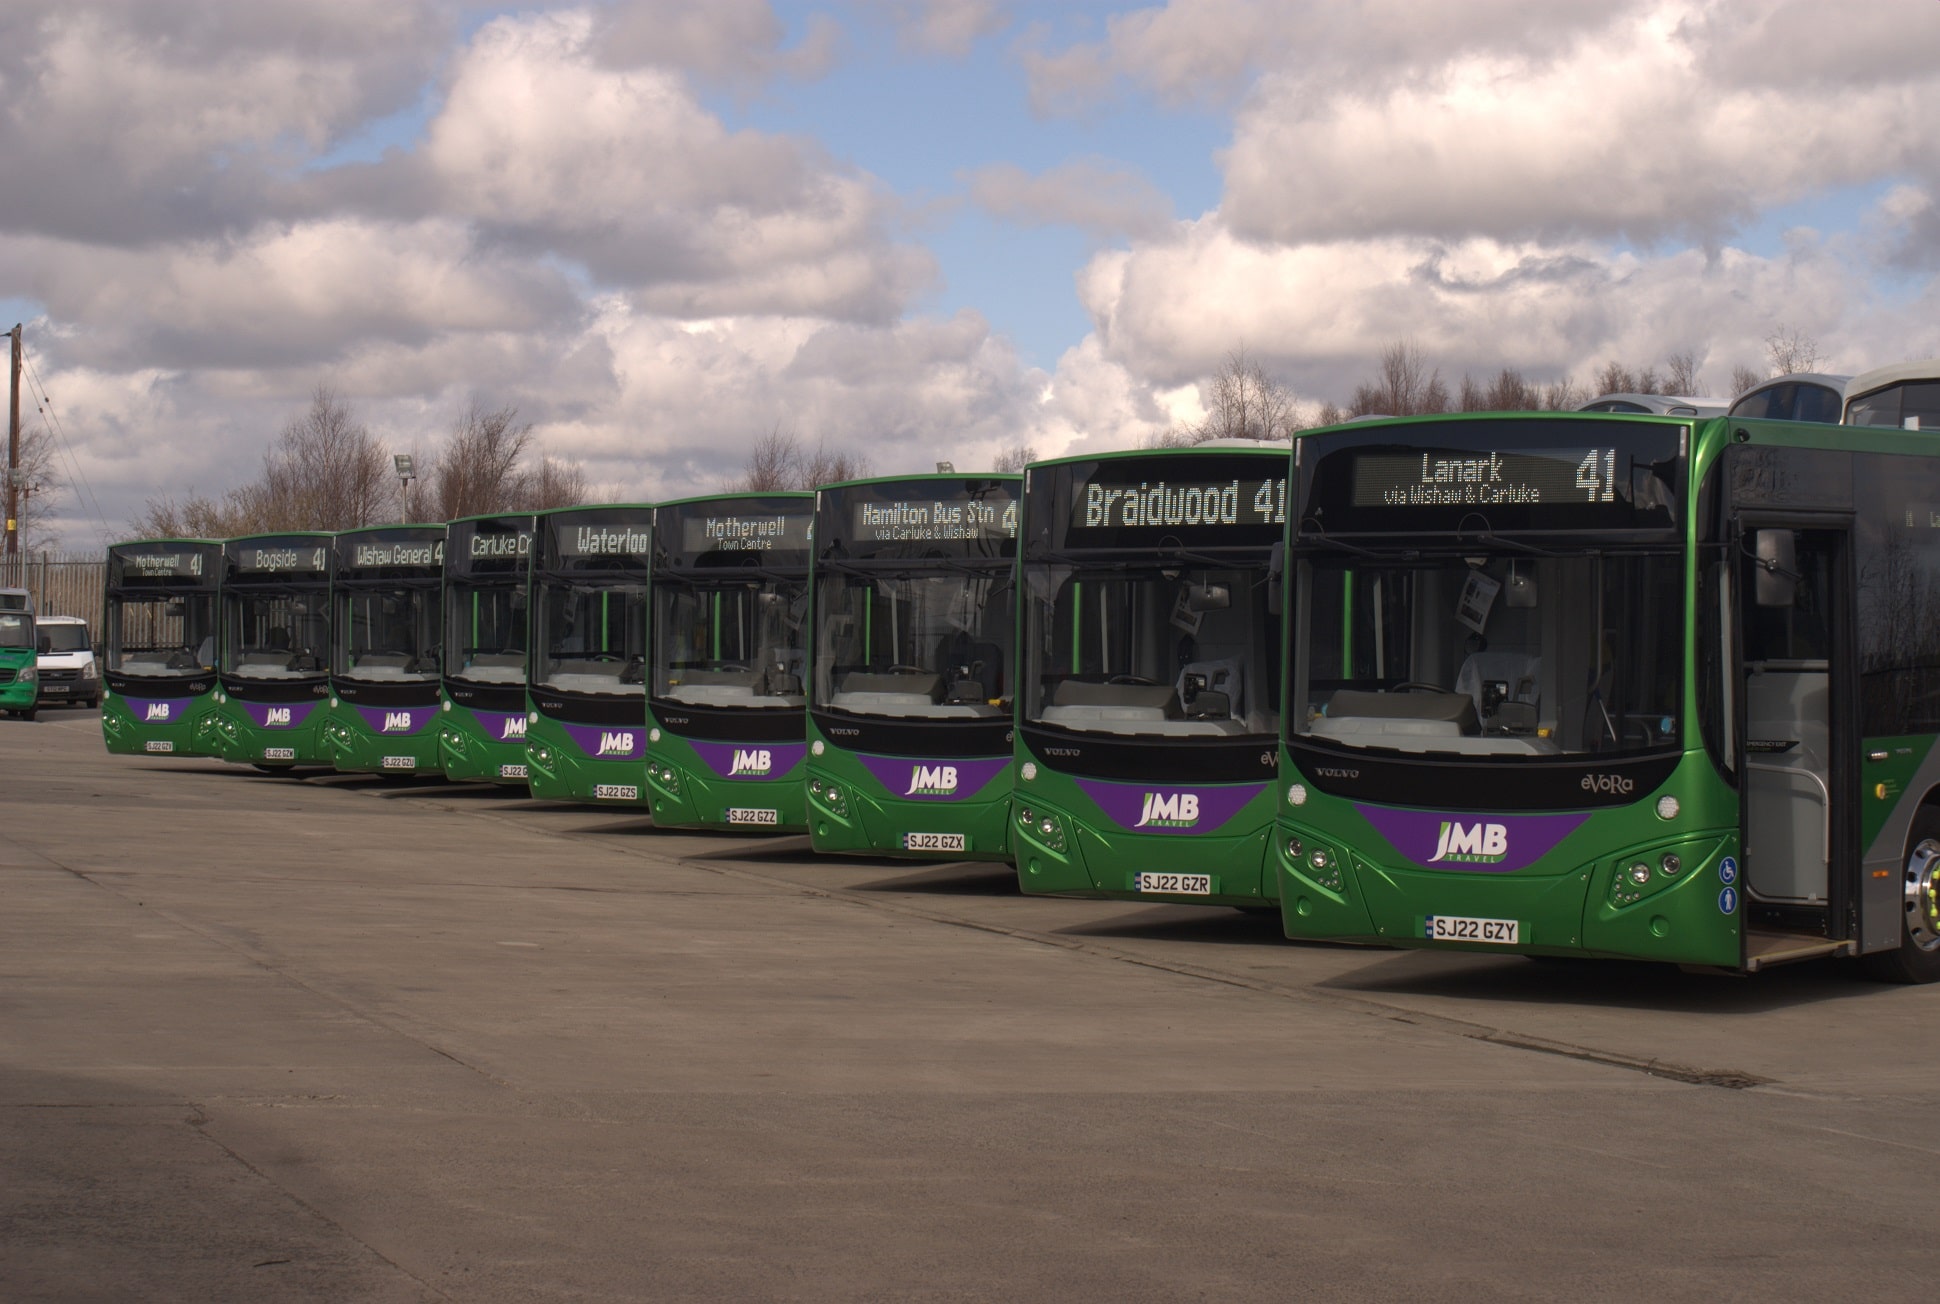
13, 452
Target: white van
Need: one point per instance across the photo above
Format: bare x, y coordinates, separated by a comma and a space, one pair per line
66, 664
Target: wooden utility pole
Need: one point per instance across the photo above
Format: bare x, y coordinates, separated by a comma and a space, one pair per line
13, 452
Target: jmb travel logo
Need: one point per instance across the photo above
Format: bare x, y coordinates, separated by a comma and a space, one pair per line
396, 722
754, 762
618, 743
158, 711
932, 781
514, 730
1169, 810
1477, 844
276, 715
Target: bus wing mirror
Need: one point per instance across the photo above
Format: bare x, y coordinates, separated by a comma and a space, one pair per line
1208, 597
1276, 579
1777, 575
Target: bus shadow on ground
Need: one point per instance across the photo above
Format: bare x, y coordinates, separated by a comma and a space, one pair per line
1615, 984
959, 878
1188, 924
791, 849
480, 792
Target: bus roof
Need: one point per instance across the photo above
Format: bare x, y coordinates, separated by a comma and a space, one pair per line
1670, 405
1880, 377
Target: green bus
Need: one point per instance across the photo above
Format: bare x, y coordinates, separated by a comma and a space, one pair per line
159, 628
274, 658
19, 648
487, 565
910, 681
726, 731
1148, 712
385, 666
586, 688
1645, 687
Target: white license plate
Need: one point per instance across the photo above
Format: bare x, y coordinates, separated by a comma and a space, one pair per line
511, 772
279, 753
54, 690
1174, 884
750, 815
400, 762
159, 745
936, 842
1461, 928
614, 791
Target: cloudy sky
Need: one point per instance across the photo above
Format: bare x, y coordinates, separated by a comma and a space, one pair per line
919, 228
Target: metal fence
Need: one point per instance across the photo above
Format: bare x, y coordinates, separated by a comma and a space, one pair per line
62, 584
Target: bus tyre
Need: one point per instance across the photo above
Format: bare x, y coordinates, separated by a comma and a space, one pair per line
1918, 958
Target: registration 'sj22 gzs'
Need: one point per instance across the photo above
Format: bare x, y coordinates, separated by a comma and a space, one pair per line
1589, 685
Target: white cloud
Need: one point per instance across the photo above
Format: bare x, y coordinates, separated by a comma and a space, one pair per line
626, 172
733, 41
1103, 199
947, 27
1318, 315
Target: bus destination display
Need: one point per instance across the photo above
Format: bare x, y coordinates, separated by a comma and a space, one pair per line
934, 520
155, 565
603, 540
1176, 503
1486, 478
413, 552
283, 558
728, 531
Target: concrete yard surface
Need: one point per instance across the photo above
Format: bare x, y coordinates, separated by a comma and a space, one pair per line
342, 1038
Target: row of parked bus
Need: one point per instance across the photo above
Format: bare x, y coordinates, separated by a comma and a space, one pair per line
1662, 686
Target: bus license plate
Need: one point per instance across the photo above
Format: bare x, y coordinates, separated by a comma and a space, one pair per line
400, 762
1460, 928
54, 690
751, 815
511, 771
158, 745
935, 842
279, 753
616, 792
1174, 884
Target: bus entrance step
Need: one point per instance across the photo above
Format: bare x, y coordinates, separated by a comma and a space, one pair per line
1763, 950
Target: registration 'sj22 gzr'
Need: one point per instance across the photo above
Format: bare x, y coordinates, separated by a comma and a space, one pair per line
1148, 715
911, 678
1588, 685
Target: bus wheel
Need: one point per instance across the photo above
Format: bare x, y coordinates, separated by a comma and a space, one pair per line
1918, 957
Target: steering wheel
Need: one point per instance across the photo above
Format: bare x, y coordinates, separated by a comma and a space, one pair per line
1416, 686
606, 656
907, 670
736, 666
1139, 680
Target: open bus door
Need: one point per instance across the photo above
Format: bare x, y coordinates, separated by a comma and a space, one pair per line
1797, 732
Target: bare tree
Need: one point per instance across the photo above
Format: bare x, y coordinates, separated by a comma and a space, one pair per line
478, 470
771, 463
1681, 374
1245, 403
1015, 458
1791, 351
554, 484
778, 461
38, 485
1407, 386
1561, 395
827, 466
325, 472
1742, 379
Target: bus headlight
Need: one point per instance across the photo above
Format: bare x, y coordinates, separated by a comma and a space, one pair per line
1044, 827
666, 776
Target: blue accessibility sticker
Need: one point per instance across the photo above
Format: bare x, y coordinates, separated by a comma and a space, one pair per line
1728, 870
1728, 901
